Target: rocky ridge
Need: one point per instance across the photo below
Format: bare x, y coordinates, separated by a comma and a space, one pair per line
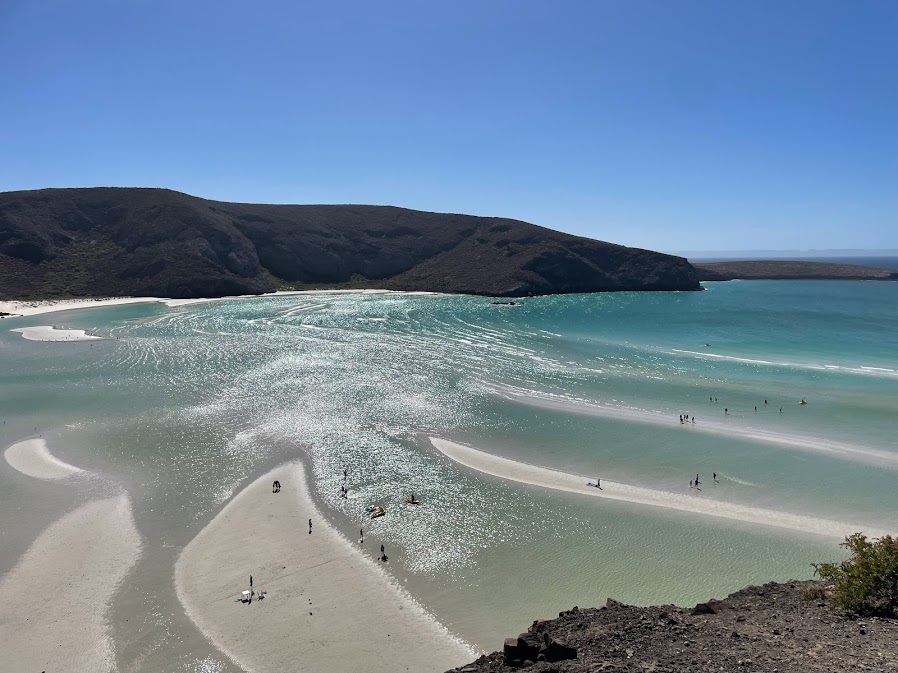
776, 269
775, 628
138, 242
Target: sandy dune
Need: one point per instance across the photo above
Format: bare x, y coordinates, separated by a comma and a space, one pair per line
328, 607
56, 597
693, 503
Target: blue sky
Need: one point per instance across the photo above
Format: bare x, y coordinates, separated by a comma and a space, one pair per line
673, 125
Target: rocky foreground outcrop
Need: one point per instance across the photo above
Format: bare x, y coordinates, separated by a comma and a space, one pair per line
775, 628
138, 242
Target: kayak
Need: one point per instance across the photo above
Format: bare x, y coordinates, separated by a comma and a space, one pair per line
411, 501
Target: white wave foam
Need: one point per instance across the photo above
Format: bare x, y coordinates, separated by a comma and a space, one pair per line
693, 504
868, 371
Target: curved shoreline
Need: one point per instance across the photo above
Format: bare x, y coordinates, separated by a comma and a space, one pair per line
327, 606
19, 309
32, 457
544, 477
65, 582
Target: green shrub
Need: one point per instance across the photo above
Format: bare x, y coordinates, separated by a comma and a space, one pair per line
866, 583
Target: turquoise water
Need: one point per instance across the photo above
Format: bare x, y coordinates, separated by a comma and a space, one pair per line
186, 405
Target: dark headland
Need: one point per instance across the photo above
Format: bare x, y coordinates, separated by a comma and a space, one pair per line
778, 269
157, 242
772, 628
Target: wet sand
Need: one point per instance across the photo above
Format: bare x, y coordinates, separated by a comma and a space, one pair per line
50, 333
57, 596
806, 443
32, 457
328, 607
693, 503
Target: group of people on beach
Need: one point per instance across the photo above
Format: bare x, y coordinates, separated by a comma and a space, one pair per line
686, 418
695, 483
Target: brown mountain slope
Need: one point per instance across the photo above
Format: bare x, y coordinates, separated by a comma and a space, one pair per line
130, 241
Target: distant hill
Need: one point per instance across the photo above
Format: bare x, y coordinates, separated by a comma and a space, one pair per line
135, 242
790, 270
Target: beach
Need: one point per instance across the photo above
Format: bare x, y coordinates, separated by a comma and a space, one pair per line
553, 479
67, 578
179, 414
50, 333
326, 605
23, 308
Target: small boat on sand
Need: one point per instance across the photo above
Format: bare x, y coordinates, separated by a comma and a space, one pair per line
378, 511
411, 501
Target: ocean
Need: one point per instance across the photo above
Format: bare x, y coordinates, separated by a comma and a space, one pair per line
183, 407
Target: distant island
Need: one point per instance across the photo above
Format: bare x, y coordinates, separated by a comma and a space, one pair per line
157, 242
770, 269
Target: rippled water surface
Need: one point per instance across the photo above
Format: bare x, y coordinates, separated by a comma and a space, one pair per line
185, 405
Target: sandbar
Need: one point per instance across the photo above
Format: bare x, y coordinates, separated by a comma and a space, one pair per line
50, 333
544, 477
328, 607
32, 457
57, 596
807, 443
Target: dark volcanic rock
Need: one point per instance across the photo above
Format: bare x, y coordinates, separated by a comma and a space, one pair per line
128, 241
768, 628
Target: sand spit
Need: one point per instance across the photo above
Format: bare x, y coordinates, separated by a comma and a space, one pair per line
28, 308
32, 457
327, 608
805, 443
56, 597
692, 503
50, 333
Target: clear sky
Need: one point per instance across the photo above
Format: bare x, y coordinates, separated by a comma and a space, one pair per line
673, 124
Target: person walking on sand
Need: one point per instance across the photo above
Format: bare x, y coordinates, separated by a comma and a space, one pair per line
715, 477
697, 482
310, 526
361, 535
690, 484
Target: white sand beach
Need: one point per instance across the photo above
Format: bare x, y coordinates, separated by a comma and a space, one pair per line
50, 333
29, 308
32, 457
561, 481
56, 597
327, 606
858, 453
